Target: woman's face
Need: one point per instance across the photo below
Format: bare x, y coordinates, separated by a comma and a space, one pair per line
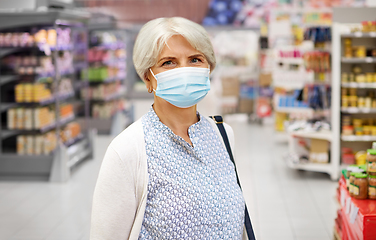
178, 52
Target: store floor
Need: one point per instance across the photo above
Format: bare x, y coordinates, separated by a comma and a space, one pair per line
284, 204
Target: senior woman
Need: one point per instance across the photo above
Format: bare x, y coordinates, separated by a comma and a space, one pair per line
168, 175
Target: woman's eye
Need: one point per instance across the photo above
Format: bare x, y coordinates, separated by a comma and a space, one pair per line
167, 63
196, 60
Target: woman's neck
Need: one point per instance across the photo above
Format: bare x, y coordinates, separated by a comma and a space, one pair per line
177, 119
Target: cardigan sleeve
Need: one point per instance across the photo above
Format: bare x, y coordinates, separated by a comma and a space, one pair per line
120, 191
114, 201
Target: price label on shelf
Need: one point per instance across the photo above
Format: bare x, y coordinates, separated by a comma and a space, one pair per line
369, 59
348, 205
372, 34
353, 213
358, 34
343, 198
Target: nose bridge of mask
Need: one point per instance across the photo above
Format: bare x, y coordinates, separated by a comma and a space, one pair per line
184, 73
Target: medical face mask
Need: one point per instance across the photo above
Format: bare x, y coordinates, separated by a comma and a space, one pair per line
183, 87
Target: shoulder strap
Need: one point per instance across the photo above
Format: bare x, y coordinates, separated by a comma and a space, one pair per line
247, 220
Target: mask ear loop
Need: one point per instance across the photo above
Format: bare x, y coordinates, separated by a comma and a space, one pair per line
154, 78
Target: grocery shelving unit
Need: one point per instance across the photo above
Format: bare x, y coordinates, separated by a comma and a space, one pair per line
102, 31
292, 74
344, 19
56, 164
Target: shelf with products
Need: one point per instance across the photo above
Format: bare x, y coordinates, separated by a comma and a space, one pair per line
358, 85
315, 167
356, 194
353, 76
355, 138
106, 74
38, 65
358, 110
310, 102
359, 60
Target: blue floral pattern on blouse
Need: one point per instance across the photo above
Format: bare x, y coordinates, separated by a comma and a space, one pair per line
192, 191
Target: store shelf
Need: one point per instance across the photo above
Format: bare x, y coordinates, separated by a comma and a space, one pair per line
309, 166
110, 46
80, 65
113, 96
358, 85
73, 141
290, 60
5, 133
323, 135
52, 167
7, 79
354, 138
358, 110
294, 110
359, 35
359, 60
8, 133
5, 106
107, 80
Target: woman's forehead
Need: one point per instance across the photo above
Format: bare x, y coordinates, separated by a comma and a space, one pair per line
178, 45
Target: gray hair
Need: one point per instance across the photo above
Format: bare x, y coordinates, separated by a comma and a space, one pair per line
154, 34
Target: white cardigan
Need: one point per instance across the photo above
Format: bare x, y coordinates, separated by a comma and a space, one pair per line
121, 191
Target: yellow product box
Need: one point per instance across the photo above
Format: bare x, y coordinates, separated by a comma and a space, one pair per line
36, 121
28, 118
11, 118
28, 92
30, 145
38, 145
20, 118
19, 92
21, 142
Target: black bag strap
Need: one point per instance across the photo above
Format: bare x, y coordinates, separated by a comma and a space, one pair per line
247, 220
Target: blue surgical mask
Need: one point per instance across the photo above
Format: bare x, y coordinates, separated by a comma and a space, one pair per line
183, 87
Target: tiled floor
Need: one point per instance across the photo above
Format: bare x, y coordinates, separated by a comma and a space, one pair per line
283, 203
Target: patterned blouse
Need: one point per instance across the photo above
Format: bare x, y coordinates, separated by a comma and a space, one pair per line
192, 191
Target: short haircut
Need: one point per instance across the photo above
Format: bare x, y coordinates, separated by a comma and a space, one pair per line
153, 37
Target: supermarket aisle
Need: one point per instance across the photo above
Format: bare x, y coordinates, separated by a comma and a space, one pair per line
284, 204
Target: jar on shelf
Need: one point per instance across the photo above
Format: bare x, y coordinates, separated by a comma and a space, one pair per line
367, 130
360, 187
371, 187
368, 102
357, 69
361, 160
365, 26
352, 91
347, 130
351, 181
369, 77
360, 78
373, 131
361, 102
357, 122
353, 101
371, 161
346, 120
373, 103
345, 77
359, 131
373, 26
361, 52
351, 77
345, 101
